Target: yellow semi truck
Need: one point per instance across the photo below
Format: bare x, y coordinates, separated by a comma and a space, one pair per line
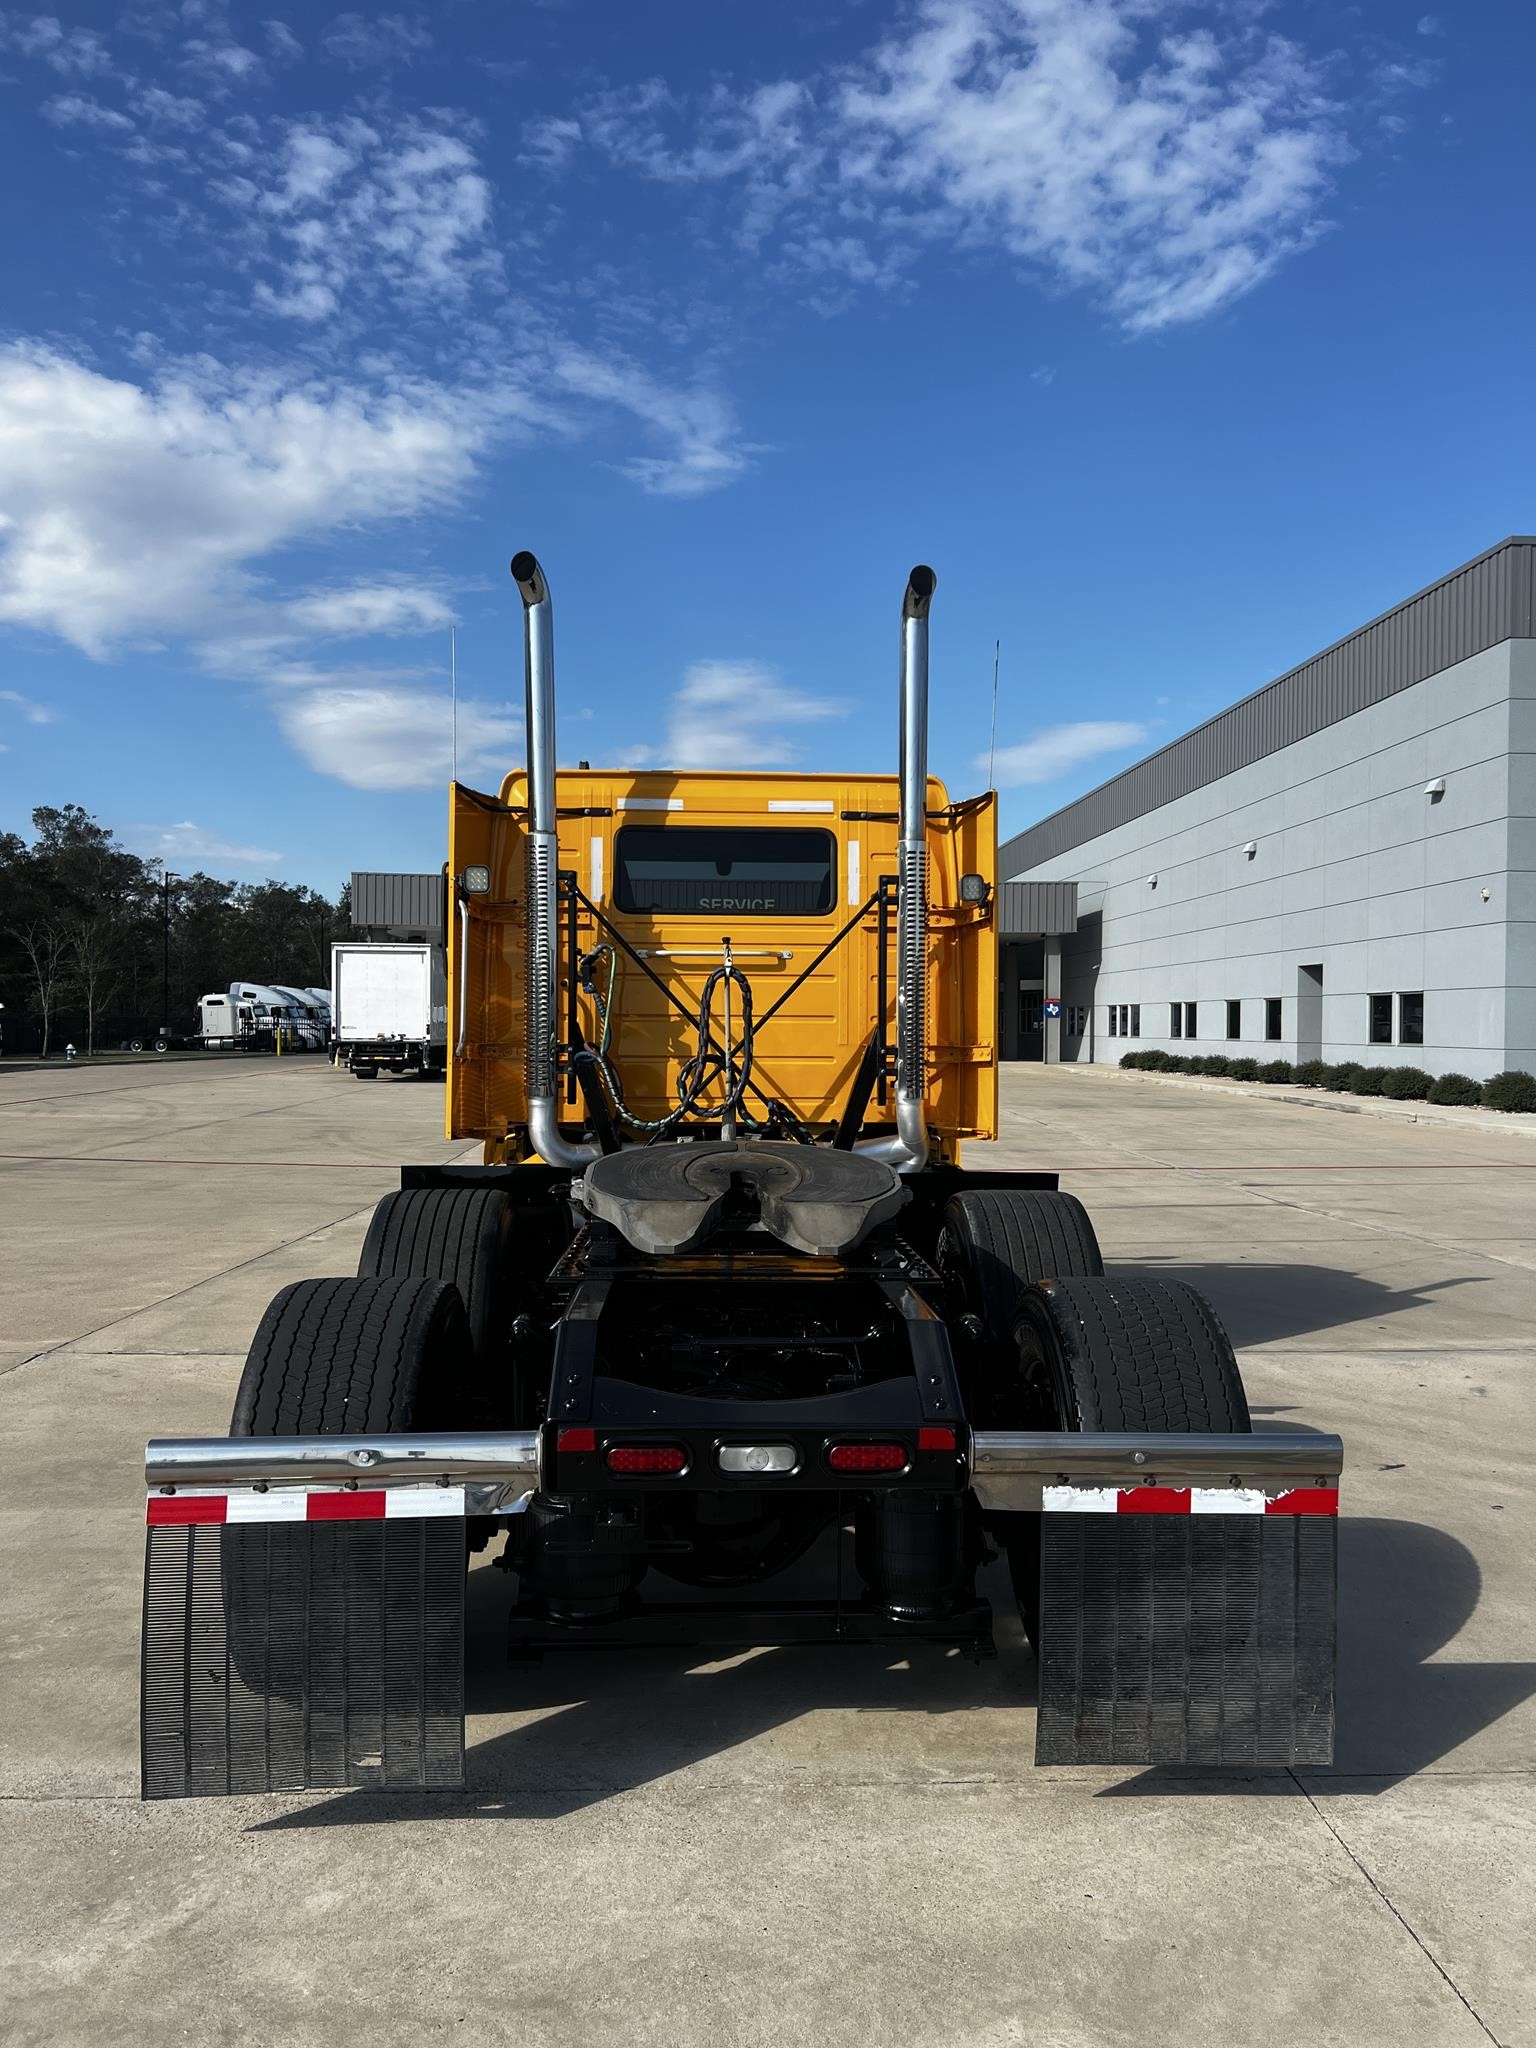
723, 1340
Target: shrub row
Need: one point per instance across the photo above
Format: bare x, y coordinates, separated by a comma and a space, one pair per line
1515, 1090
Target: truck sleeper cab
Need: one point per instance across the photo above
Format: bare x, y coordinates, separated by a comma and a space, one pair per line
722, 1339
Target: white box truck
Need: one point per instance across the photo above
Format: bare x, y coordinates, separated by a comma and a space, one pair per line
389, 1007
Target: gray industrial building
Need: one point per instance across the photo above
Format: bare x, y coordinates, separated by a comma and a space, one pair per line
1341, 866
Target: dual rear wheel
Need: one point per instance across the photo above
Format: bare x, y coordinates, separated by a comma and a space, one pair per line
1056, 1345
410, 1344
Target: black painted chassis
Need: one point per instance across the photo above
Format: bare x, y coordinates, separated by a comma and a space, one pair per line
592, 1287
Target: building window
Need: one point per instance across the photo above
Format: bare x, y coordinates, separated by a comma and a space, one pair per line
1077, 1020
1190, 1030
1175, 1020
1234, 1017
1272, 1017
1410, 1018
1135, 1020
1381, 1020
1114, 1019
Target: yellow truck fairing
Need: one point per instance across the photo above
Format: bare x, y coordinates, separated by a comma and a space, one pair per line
840, 829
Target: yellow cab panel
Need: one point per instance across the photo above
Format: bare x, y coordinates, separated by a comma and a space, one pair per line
678, 863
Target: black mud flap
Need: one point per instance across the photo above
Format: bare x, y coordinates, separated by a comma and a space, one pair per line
1179, 1638
287, 1655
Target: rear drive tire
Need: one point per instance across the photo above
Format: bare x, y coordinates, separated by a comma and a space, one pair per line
997, 1242
332, 1358
462, 1235
993, 1246
1096, 1355
347, 1357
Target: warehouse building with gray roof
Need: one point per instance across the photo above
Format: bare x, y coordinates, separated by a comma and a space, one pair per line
1342, 866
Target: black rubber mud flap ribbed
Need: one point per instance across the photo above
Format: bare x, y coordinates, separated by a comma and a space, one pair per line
283, 1656
1187, 1639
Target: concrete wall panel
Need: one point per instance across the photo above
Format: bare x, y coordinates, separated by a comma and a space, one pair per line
1354, 867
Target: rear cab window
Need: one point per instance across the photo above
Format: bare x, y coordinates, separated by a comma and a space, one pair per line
727, 870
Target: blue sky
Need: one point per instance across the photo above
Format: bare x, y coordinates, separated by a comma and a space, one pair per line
1180, 339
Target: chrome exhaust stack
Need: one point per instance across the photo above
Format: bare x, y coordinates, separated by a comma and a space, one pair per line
543, 861
908, 1150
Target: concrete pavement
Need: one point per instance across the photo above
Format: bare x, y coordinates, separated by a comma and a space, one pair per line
834, 1845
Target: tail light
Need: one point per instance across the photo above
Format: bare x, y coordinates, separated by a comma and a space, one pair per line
576, 1440
635, 1458
935, 1439
867, 1457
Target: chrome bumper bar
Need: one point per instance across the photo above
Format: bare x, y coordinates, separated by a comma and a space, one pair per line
1008, 1467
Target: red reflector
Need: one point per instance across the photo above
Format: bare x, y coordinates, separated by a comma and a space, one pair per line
867, 1457
345, 1507
1154, 1500
178, 1509
1305, 1500
935, 1439
646, 1458
576, 1440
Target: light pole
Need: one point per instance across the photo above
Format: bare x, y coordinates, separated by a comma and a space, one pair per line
165, 953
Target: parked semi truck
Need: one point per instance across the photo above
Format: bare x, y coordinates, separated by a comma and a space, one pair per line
225, 1023
726, 1339
389, 1008
281, 1009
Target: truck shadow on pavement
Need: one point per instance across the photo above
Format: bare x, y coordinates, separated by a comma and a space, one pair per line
608, 1722
1261, 1301
1405, 1593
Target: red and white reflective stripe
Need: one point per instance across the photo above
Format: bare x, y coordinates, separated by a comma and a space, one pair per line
1189, 1500
302, 1504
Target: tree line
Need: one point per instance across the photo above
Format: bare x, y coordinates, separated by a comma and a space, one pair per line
98, 944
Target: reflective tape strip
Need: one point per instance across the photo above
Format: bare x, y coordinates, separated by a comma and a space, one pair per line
804, 806
1305, 1500
304, 1504
1227, 1500
1188, 1500
1080, 1500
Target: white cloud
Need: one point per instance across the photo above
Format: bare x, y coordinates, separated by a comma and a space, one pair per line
27, 707
376, 738
75, 52
699, 425
361, 42
127, 512
186, 842
1431, 25
227, 63
1164, 168
282, 41
1061, 748
369, 608
350, 214
737, 714
79, 110
550, 143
